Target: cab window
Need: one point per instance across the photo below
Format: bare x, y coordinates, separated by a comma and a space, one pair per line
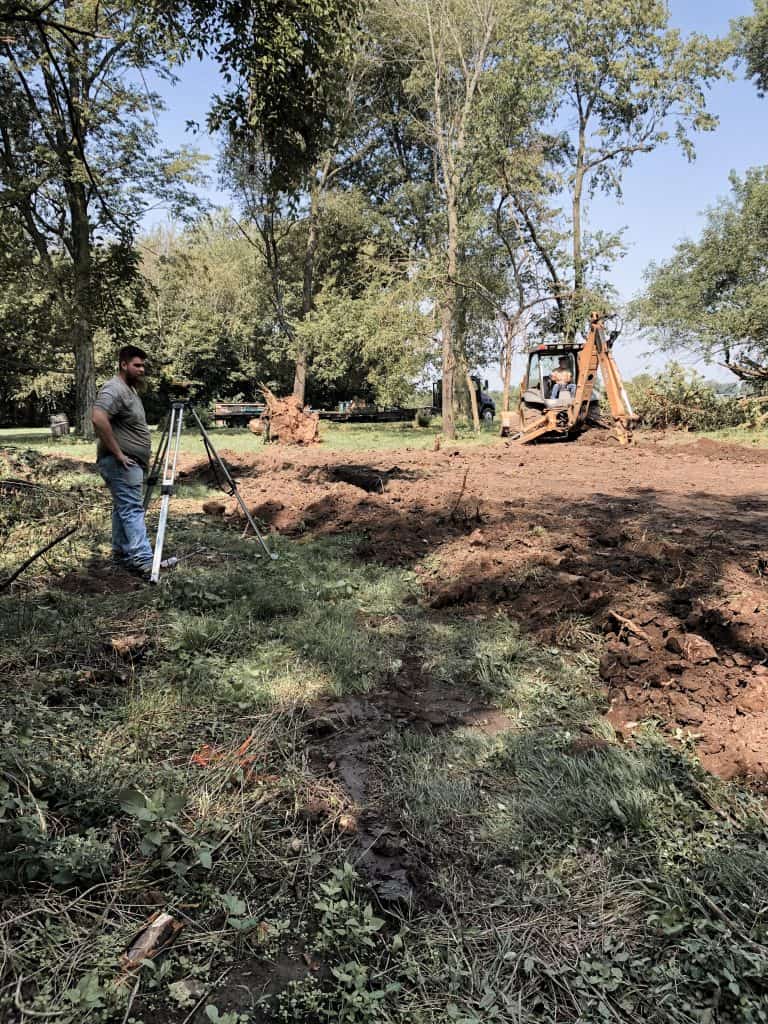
541, 367
534, 372
551, 363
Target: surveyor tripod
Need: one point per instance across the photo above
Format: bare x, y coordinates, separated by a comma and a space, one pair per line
167, 455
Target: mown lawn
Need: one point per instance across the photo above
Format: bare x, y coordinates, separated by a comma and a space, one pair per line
335, 437
556, 875
739, 435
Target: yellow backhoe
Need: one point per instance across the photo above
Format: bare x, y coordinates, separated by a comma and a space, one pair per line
557, 393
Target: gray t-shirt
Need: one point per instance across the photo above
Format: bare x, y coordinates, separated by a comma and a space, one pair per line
129, 423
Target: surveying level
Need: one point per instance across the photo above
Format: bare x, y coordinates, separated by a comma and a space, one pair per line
168, 454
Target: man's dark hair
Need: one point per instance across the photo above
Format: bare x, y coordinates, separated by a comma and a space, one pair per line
129, 352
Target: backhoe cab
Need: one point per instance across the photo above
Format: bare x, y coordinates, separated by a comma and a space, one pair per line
551, 410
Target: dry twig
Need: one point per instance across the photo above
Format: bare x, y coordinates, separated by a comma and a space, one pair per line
630, 626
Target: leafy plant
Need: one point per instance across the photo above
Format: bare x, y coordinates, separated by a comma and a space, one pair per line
682, 398
214, 1015
237, 917
344, 923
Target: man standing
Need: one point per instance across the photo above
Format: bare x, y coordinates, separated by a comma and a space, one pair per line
123, 454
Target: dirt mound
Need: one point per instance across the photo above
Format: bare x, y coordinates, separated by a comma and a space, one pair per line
98, 579
684, 682
197, 468
721, 451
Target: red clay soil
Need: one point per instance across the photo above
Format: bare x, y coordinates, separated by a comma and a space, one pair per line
663, 547
722, 452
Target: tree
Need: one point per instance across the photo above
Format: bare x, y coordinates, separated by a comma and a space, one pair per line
626, 83
463, 65
286, 61
751, 40
211, 319
711, 297
275, 205
78, 161
32, 380
368, 329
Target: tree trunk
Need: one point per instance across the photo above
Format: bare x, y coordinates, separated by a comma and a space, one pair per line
449, 364
82, 302
85, 378
578, 260
449, 311
473, 403
506, 363
300, 376
307, 292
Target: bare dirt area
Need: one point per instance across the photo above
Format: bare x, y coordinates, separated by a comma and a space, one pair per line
661, 547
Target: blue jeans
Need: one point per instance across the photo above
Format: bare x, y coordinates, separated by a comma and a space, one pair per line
130, 542
557, 388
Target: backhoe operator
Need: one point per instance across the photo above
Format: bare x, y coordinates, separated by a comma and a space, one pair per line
562, 378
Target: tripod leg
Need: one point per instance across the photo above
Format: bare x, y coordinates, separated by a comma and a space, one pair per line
227, 476
154, 473
166, 488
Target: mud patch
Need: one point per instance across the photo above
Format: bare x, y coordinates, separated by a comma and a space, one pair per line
98, 580
247, 984
367, 478
348, 733
198, 469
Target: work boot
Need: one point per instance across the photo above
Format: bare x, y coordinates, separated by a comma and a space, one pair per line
145, 571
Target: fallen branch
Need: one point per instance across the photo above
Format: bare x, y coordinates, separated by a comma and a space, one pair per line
735, 930
32, 558
630, 626
207, 994
25, 1011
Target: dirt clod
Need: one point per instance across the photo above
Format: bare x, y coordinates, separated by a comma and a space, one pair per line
693, 648
130, 645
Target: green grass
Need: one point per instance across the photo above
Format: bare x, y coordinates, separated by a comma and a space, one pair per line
554, 882
738, 435
335, 437
747, 436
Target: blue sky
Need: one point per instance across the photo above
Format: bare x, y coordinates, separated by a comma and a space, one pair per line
664, 195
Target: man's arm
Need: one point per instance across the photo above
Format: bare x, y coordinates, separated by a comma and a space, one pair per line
103, 429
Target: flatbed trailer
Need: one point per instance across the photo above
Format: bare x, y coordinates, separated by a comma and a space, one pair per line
393, 415
236, 414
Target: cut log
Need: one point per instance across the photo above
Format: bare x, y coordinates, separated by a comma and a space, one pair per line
288, 422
